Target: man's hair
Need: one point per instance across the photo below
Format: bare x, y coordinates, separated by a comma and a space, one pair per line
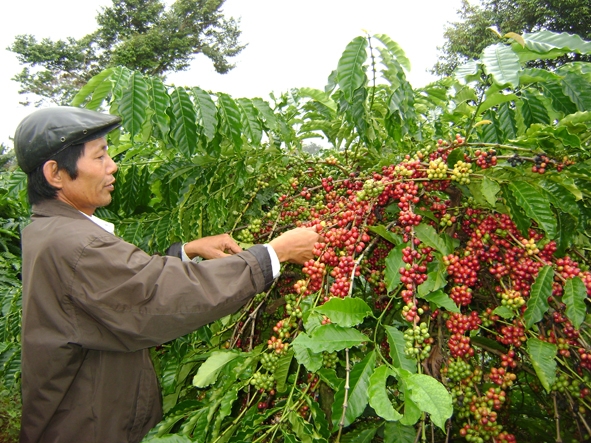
39, 189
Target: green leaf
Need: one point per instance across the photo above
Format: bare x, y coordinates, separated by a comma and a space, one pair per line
521, 220
287, 437
119, 80
442, 300
504, 311
319, 96
364, 435
250, 123
546, 41
329, 338
225, 409
229, 117
133, 233
319, 418
466, 70
381, 230
358, 113
487, 343
267, 113
134, 103
496, 99
99, 86
502, 63
397, 345
394, 49
574, 120
577, 88
17, 183
205, 112
282, 371
435, 281
395, 432
567, 230
541, 290
304, 355
536, 75
543, 358
491, 132
159, 102
428, 235
561, 197
535, 205
506, 121
329, 376
378, 396
455, 156
183, 127
575, 294
302, 429
412, 413
490, 189
345, 312
393, 264
176, 438
431, 397
532, 111
358, 394
350, 72
209, 370
560, 101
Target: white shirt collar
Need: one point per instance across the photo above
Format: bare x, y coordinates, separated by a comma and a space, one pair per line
107, 226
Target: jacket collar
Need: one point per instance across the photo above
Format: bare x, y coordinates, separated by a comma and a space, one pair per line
53, 208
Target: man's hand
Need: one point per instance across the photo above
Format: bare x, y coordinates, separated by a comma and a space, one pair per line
216, 246
296, 246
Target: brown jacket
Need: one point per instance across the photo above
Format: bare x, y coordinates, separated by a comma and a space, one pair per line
92, 305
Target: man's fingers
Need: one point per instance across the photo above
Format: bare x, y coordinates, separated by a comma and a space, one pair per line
233, 248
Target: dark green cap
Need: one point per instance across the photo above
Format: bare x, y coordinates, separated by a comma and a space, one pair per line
48, 131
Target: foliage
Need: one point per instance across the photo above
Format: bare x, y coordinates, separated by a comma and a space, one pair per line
12, 218
448, 300
10, 408
483, 21
129, 33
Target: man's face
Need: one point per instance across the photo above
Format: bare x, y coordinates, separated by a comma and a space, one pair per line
94, 184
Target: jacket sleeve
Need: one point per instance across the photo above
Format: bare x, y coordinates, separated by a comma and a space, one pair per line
125, 300
175, 250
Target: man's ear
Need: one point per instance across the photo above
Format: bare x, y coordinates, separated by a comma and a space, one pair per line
53, 174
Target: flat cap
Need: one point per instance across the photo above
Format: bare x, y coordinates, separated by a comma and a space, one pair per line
48, 131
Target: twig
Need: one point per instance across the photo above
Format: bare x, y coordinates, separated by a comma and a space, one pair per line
252, 316
574, 409
432, 434
471, 124
419, 432
237, 419
557, 419
346, 399
584, 422
498, 145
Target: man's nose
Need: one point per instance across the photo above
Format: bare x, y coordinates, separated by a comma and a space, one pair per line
112, 167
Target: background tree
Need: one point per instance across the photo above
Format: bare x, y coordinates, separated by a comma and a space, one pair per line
129, 33
466, 38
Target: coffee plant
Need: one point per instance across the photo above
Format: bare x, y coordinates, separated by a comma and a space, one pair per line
12, 218
447, 300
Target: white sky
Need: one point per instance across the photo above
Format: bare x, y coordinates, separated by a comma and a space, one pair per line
291, 43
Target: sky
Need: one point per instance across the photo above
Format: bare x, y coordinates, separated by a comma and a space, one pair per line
290, 43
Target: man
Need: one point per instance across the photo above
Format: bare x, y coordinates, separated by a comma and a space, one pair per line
93, 304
